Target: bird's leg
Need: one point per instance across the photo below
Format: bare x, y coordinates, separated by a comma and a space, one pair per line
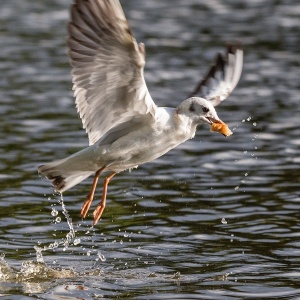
86, 205
100, 208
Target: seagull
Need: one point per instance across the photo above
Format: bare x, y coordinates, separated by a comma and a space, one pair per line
124, 125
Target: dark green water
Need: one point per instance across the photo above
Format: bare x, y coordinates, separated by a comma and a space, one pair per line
215, 218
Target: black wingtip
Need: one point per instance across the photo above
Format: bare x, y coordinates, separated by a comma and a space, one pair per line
219, 64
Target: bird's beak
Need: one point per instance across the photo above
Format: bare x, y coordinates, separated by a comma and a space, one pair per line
219, 126
212, 120
209, 120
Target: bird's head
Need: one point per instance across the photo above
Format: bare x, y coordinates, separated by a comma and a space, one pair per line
198, 110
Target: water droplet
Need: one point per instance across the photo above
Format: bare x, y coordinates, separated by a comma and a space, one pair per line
254, 123
237, 187
246, 174
176, 275
249, 118
58, 220
76, 241
70, 235
54, 212
39, 255
223, 221
101, 256
245, 152
121, 242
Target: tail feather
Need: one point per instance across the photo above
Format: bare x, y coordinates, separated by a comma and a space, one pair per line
62, 177
68, 172
58, 181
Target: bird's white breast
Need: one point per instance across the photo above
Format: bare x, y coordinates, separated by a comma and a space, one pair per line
146, 143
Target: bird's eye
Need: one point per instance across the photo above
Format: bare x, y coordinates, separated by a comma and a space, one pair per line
205, 109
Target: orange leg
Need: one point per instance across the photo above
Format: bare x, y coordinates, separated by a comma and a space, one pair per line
86, 205
100, 208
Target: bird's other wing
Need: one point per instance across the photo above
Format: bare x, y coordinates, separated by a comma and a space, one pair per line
107, 67
223, 75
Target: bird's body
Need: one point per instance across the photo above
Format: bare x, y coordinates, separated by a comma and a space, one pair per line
125, 149
125, 127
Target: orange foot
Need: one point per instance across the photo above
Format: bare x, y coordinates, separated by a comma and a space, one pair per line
86, 206
98, 213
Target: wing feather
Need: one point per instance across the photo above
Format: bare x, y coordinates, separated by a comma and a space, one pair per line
223, 76
108, 66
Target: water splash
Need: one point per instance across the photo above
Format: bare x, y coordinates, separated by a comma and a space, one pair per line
71, 234
65, 242
39, 256
5, 270
36, 271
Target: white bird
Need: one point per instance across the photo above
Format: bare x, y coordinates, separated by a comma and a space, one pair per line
124, 125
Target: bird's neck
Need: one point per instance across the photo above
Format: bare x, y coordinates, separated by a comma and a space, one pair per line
184, 125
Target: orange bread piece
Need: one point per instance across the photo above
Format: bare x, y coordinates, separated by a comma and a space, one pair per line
221, 127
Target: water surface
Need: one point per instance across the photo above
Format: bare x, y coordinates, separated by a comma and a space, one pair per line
215, 218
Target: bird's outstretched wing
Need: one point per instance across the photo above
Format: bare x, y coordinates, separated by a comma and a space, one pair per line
223, 76
108, 67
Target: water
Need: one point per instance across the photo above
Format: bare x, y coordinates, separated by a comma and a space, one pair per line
214, 219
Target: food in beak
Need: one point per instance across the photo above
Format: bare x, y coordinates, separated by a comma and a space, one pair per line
221, 127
